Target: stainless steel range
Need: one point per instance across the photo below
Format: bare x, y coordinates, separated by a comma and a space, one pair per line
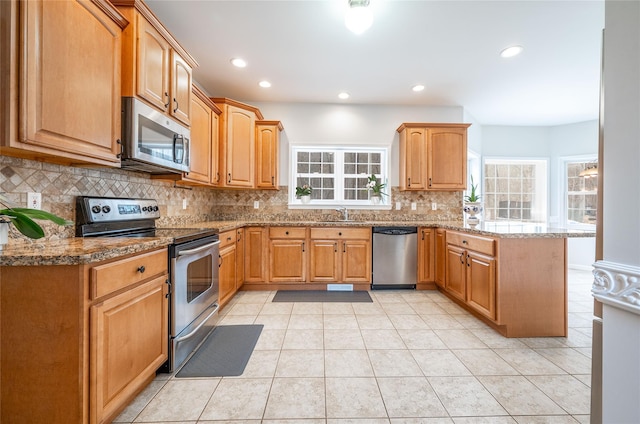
193, 265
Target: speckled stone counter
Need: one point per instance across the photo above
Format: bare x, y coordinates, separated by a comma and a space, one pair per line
88, 250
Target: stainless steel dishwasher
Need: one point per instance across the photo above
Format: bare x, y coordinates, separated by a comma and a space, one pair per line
395, 258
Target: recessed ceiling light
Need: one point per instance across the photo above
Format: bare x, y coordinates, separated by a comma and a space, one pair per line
418, 87
343, 95
264, 84
511, 51
239, 63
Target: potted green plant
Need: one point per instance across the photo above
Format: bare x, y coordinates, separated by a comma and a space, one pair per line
472, 205
23, 220
304, 193
376, 186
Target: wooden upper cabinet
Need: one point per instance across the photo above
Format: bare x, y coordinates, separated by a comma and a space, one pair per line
60, 82
237, 143
267, 153
155, 67
433, 156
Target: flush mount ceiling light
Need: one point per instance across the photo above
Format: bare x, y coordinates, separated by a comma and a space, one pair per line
511, 51
238, 63
343, 95
418, 88
359, 16
264, 84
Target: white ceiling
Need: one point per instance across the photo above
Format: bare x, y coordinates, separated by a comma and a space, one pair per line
452, 47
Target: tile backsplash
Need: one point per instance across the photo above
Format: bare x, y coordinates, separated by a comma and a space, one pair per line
60, 185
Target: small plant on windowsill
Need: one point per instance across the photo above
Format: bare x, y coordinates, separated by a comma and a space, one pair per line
23, 220
472, 205
472, 197
376, 186
304, 193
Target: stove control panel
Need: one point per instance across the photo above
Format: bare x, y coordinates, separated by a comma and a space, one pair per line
104, 209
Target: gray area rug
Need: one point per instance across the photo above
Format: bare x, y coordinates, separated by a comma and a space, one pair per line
321, 296
225, 353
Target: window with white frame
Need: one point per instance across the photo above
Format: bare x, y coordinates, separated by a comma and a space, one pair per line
515, 190
338, 175
582, 192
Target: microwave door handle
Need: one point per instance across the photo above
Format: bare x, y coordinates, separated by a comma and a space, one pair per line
178, 153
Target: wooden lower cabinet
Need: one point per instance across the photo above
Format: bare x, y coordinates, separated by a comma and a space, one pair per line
73, 351
227, 266
240, 246
440, 257
426, 255
481, 283
455, 283
340, 255
287, 255
256, 254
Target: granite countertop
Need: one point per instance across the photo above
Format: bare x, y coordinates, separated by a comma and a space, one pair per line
75, 251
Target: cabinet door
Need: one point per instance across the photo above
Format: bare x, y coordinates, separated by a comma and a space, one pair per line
413, 153
440, 255
426, 256
200, 142
240, 246
70, 81
288, 261
356, 261
447, 158
240, 147
255, 255
180, 107
456, 272
215, 150
267, 140
324, 261
227, 273
481, 284
153, 66
125, 356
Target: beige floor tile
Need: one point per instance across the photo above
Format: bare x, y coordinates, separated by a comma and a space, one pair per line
582, 419
305, 421
306, 322
382, 339
529, 362
362, 308
410, 397
238, 399
339, 322
400, 308
484, 362
441, 322
270, 339
580, 319
347, 363
277, 308
296, 398
237, 320
358, 421
245, 309
394, 363
135, 407
354, 398
408, 322
253, 296
303, 339
495, 340
273, 322
343, 339
429, 308
550, 419
586, 351
565, 390
374, 322
300, 363
421, 339
439, 420
484, 420
519, 396
438, 363
568, 359
179, 399
453, 309
460, 339
470, 322
577, 338
544, 342
262, 363
584, 378
337, 308
307, 308
465, 397
388, 296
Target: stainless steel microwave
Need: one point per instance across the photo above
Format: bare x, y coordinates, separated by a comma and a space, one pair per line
151, 141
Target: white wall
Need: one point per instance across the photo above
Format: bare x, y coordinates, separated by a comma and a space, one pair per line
349, 125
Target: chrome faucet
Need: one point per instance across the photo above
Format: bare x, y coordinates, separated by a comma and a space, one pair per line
345, 213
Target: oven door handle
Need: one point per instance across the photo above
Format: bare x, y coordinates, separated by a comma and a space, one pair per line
197, 249
195, 330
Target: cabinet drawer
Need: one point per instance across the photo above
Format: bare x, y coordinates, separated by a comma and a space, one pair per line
227, 238
288, 232
341, 233
111, 277
466, 241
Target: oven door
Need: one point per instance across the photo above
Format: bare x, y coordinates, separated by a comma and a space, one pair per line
194, 282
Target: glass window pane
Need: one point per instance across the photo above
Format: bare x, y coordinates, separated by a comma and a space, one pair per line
315, 168
376, 158
349, 169
363, 169
303, 156
327, 169
363, 157
303, 168
350, 157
